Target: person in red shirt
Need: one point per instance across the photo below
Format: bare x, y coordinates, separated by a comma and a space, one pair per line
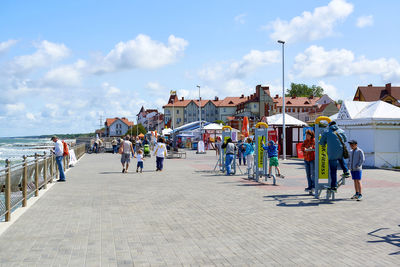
308, 148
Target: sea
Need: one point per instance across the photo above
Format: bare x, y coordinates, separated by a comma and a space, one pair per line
13, 148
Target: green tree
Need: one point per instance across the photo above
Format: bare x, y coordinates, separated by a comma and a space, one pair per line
219, 122
300, 89
136, 129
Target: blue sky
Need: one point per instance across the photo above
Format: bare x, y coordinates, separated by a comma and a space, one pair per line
63, 64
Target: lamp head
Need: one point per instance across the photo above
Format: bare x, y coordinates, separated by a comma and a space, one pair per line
198, 86
281, 42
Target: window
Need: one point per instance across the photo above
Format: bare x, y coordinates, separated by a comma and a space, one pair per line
216, 111
224, 109
255, 105
177, 111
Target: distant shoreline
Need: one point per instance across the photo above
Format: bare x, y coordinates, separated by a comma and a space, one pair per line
63, 136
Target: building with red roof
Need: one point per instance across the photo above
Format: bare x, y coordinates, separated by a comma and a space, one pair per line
117, 126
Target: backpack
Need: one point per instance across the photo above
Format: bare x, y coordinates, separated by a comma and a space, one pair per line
65, 148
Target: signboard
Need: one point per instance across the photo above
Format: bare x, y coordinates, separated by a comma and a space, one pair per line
260, 152
323, 167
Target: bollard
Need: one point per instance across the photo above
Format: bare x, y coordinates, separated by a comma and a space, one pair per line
36, 175
7, 191
25, 182
45, 171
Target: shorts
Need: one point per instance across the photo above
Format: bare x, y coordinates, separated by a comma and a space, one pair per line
273, 161
139, 164
356, 175
126, 158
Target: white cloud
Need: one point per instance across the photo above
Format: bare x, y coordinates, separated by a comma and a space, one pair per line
46, 53
12, 109
311, 26
316, 62
67, 75
110, 90
240, 19
4, 46
142, 52
30, 116
329, 89
365, 21
239, 69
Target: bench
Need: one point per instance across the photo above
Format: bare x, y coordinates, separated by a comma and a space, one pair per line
176, 155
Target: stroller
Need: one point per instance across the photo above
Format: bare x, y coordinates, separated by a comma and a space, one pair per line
146, 150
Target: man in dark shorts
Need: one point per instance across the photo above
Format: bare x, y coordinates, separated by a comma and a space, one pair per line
125, 150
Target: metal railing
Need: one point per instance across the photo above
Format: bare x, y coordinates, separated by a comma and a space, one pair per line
21, 181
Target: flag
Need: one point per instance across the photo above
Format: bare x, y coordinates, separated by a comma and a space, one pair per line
245, 127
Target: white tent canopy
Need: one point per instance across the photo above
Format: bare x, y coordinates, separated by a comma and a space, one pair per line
166, 131
356, 113
277, 119
213, 126
376, 127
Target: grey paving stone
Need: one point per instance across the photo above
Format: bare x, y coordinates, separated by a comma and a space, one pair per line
189, 216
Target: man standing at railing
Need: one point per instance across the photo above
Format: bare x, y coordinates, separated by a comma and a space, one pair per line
59, 153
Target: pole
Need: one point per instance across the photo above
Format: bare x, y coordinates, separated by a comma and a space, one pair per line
198, 86
283, 99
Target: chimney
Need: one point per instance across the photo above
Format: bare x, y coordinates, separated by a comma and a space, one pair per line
388, 88
311, 97
293, 97
370, 85
258, 87
276, 96
182, 98
216, 98
242, 96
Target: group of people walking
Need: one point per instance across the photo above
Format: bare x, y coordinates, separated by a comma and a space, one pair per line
127, 151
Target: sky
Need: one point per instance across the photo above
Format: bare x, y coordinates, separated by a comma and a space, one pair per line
66, 64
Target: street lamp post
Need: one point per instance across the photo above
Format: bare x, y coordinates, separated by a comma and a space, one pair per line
283, 99
198, 86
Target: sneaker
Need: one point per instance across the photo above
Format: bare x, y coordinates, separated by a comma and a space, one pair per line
137, 170
281, 176
307, 189
355, 196
346, 175
61, 180
334, 189
359, 197
123, 170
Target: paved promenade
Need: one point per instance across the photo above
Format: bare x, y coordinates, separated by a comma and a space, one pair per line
187, 215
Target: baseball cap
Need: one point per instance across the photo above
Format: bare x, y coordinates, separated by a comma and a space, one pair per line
352, 142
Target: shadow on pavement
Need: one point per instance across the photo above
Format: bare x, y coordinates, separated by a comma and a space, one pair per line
299, 200
392, 239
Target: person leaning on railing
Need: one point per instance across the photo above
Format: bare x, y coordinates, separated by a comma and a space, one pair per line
59, 153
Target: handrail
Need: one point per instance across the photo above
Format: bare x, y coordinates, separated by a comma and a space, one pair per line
258, 125
323, 118
29, 177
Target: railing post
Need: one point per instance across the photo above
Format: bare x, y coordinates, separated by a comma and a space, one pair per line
7, 191
24, 181
45, 171
36, 175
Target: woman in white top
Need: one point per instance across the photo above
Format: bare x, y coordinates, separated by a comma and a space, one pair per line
160, 153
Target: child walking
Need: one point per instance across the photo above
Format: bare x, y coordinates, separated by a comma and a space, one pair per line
140, 158
272, 150
356, 161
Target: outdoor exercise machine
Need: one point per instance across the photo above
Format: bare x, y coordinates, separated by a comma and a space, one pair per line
226, 134
260, 155
322, 178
